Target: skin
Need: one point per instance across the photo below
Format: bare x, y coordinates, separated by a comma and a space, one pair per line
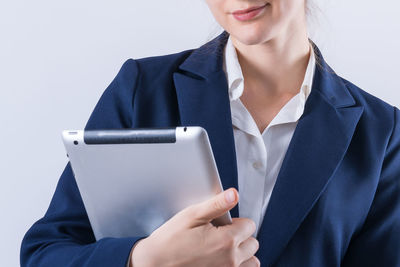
190, 239
273, 52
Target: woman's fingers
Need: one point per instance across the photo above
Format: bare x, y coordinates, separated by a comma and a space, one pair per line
252, 262
241, 228
248, 248
204, 212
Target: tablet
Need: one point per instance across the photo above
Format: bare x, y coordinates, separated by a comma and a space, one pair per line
133, 180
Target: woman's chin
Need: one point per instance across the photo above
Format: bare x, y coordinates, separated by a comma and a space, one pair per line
251, 36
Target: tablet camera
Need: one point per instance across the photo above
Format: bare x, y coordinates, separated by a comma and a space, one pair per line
75, 142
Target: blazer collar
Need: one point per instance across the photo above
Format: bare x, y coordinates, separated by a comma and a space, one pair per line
208, 59
318, 145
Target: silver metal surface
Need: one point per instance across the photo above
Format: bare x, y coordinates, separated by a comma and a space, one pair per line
131, 189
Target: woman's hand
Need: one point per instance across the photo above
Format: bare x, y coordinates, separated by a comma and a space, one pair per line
190, 239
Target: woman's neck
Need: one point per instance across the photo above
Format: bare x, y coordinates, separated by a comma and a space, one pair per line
277, 66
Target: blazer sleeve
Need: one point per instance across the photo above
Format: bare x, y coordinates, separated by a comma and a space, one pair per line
378, 243
64, 237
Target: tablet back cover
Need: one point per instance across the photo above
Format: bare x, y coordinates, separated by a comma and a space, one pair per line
132, 181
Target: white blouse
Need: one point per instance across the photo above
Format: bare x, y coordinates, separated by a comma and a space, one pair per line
259, 156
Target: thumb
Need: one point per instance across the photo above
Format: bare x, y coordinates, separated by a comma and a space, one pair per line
206, 211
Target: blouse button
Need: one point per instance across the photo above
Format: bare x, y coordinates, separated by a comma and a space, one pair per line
257, 165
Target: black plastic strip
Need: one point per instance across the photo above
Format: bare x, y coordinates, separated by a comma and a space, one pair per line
130, 136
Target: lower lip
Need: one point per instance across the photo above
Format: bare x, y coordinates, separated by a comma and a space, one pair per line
249, 15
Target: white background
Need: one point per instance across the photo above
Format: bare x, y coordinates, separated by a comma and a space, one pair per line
57, 57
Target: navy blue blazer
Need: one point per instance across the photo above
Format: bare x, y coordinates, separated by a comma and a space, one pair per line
336, 201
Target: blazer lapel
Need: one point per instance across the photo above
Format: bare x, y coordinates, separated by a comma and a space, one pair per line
203, 100
318, 145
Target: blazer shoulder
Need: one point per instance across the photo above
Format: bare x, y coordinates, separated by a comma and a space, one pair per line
374, 107
379, 116
162, 64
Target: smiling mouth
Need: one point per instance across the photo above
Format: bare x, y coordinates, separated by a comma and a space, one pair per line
244, 11
250, 13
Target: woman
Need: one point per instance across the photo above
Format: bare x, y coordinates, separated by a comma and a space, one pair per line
315, 158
